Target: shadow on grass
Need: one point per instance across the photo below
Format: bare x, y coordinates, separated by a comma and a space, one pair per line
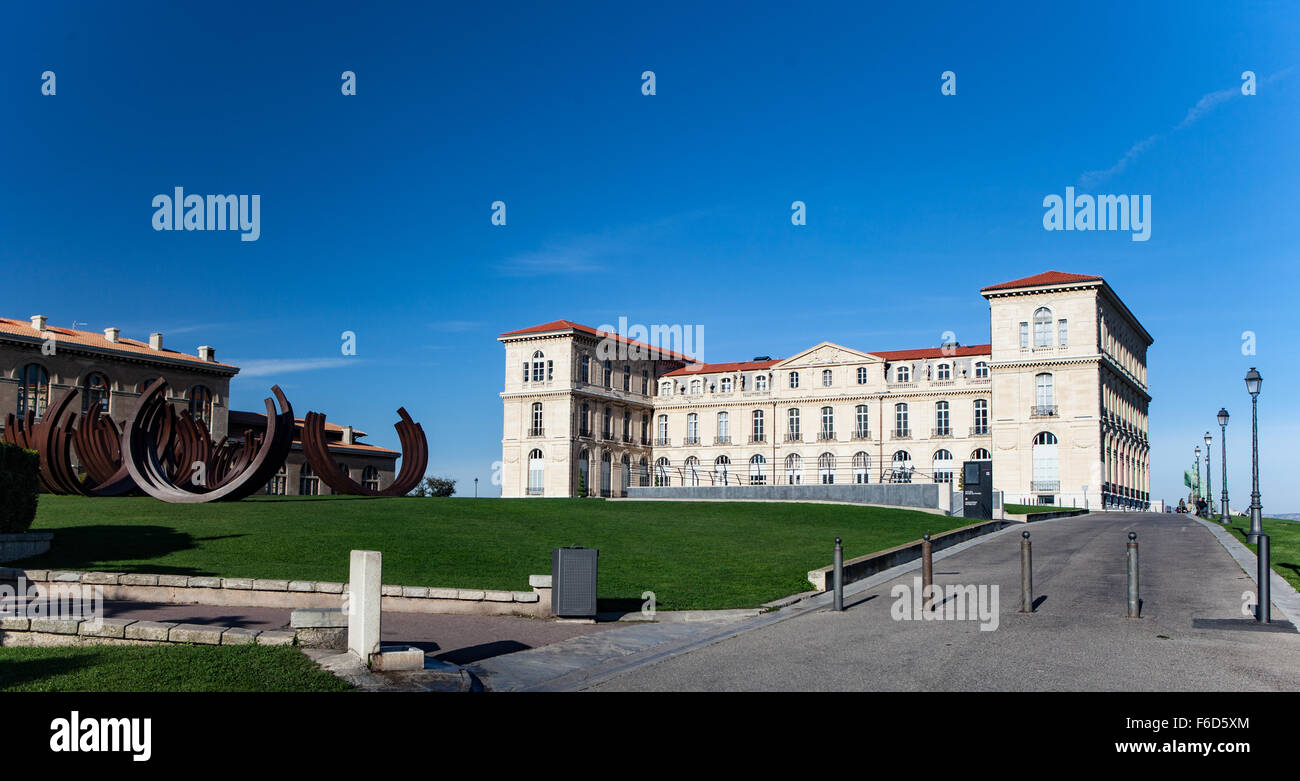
16, 673
88, 547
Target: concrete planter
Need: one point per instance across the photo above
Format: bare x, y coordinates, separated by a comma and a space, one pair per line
22, 546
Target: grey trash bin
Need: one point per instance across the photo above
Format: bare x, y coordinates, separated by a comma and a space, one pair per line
573, 581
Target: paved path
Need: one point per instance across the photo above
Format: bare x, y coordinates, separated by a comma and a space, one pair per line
1079, 638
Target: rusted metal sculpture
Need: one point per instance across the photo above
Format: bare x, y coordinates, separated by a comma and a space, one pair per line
54, 438
162, 451
415, 457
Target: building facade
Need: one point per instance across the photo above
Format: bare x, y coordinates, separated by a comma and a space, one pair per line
39, 361
1057, 401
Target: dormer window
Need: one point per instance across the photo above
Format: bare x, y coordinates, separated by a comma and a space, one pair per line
726, 384
760, 382
903, 374
944, 372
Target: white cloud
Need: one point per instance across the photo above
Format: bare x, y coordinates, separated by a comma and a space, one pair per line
264, 367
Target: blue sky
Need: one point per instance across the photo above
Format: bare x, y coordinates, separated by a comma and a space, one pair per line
672, 208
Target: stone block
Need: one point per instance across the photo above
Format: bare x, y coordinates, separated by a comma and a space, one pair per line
391, 591
40, 575
15, 623
204, 581
270, 585
418, 592
275, 637
498, 596
240, 584
475, 596
59, 576
322, 637
173, 580
325, 587
138, 579
238, 635
539, 581
108, 627
101, 578
392, 658
444, 593
148, 630
365, 568
57, 626
526, 596
302, 585
196, 633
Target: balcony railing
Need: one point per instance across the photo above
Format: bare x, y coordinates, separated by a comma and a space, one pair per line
607, 435
722, 440
861, 434
627, 438
902, 433
794, 436
584, 432
662, 441
979, 431
825, 436
536, 432
941, 432
691, 441
757, 439
1042, 411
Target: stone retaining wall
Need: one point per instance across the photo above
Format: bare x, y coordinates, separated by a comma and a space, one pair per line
16, 632
14, 547
864, 567
916, 495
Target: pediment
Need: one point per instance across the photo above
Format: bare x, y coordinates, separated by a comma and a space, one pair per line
826, 354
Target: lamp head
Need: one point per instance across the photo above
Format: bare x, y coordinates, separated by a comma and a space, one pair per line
1208, 440
1253, 381
1198, 451
1223, 416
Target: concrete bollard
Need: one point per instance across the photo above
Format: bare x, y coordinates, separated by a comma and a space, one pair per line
838, 565
1264, 573
364, 574
1134, 602
927, 572
1026, 575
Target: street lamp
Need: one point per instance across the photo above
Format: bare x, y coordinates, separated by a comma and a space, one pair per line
1223, 460
1209, 492
1253, 381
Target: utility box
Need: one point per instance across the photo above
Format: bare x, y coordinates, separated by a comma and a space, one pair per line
573, 582
977, 490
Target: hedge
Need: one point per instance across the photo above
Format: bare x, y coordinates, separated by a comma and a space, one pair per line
19, 488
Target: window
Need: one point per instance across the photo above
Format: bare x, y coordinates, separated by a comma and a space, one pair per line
95, 391
794, 433
662, 430
585, 363
1042, 327
756, 474
724, 428
645, 429
661, 471
862, 375
826, 468
536, 430
692, 473
828, 424
584, 421
1043, 394
981, 370
584, 474
980, 454
903, 374
793, 469
539, 367
666, 388
279, 484
33, 390
725, 384
901, 470
861, 468
1047, 475
941, 419
794, 379
900, 421
370, 477
721, 468
861, 420
942, 466
1024, 335
608, 375
550, 370
344, 469
643, 469
201, 404
645, 382
608, 428
627, 426
697, 386
828, 378
693, 429
760, 382
308, 482
1062, 333
981, 417
627, 379
944, 372
757, 435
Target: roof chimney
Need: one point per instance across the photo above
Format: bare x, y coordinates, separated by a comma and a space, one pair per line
111, 334
348, 438
206, 353
155, 341
38, 322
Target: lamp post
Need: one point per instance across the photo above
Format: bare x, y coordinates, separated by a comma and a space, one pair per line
1196, 489
1209, 491
1223, 460
1253, 381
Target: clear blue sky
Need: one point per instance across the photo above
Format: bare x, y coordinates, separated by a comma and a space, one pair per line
666, 209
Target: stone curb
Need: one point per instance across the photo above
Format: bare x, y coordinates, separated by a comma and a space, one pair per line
151, 632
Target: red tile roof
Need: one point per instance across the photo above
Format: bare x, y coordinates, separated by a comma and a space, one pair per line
566, 325
712, 368
98, 341
1045, 278
935, 352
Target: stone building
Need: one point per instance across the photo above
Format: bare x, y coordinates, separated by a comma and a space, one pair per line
1057, 401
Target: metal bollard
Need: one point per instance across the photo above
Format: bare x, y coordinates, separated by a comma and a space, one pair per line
1134, 602
927, 572
838, 564
1026, 575
1263, 605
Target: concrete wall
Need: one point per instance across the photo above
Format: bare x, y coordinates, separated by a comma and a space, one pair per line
919, 495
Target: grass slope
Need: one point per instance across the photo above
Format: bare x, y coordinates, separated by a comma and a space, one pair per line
1283, 544
693, 555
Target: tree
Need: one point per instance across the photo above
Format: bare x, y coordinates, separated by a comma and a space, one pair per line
434, 486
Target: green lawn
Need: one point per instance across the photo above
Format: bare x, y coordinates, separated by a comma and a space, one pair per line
162, 668
691, 554
1030, 509
1283, 544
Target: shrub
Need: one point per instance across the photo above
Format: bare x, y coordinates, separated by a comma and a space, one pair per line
435, 486
19, 488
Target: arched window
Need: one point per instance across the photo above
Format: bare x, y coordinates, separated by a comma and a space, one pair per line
536, 430
903, 374
308, 482
1044, 400
944, 372
981, 370
697, 386
1042, 327
760, 382
370, 477
724, 429
95, 391
756, 473
33, 390
666, 388
724, 385
347, 472
1047, 476
201, 404
757, 434
692, 474
900, 421
942, 466
981, 417
826, 468
862, 375
794, 379
861, 422
721, 469
536, 472
861, 467
942, 419
901, 467
980, 454
793, 469
795, 433
539, 367
661, 471
828, 378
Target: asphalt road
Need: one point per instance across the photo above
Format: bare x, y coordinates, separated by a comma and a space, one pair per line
1079, 638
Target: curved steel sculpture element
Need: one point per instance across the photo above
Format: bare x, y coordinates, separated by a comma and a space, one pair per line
415, 457
24, 432
240, 470
96, 441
